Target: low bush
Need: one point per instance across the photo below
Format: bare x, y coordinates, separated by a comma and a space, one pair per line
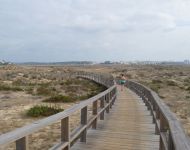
45, 90
87, 96
187, 80
155, 87
43, 111
188, 88
19, 82
10, 88
156, 81
25, 76
60, 98
29, 90
171, 83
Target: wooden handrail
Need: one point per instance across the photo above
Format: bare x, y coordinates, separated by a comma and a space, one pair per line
106, 98
172, 135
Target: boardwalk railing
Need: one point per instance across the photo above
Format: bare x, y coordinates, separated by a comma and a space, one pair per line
172, 136
106, 100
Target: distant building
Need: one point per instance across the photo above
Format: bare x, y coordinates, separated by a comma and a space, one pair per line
187, 62
3, 62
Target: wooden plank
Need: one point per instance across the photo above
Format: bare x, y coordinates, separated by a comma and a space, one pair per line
127, 126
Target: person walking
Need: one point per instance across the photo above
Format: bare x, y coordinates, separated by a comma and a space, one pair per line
122, 81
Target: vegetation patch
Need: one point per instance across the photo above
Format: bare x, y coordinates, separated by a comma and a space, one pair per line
43, 111
71, 97
187, 97
188, 88
171, 83
156, 81
60, 98
10, 88
187, 80
45, 90
20, 82
87, 96
155, 87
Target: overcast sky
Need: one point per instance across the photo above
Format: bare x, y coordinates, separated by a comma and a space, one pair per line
97, 30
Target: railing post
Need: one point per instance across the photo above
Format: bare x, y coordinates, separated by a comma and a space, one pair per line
115, 94
170, 142
65, 132
102, 105
157, 131
154, 109
84, 122
163, 128
95, 112
107, 101
112, 95
148, 95
110, 98
22, 144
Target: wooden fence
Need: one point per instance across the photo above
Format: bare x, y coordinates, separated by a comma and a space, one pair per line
106, 99
172, 136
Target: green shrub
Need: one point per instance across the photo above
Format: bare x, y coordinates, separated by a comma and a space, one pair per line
42, 91
25, 76
60, 98
188, 88
71, 87
155, 87
45, 90
171, 83
187, 80
33, 77
29, 90
20, 82
10, 88
68, 82
43, 111
156, 81
88, 95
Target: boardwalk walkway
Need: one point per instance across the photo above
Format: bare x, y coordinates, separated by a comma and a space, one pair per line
127, 127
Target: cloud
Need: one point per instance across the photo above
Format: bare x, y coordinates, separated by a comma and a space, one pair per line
151, 21
92, 27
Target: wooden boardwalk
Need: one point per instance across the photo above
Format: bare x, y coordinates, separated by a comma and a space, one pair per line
128, 126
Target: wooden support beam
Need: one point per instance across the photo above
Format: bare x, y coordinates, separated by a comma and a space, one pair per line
22, 144
95, 112
108, 107
102, 105
65, 132
84, 117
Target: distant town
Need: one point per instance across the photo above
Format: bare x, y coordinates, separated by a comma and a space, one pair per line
3, 62
185, 62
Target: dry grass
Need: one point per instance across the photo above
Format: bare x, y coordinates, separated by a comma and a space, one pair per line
39, 84
172, 83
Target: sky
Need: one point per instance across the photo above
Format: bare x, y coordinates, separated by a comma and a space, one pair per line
94, 30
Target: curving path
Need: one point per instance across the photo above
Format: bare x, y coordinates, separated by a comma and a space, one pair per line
127, 127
